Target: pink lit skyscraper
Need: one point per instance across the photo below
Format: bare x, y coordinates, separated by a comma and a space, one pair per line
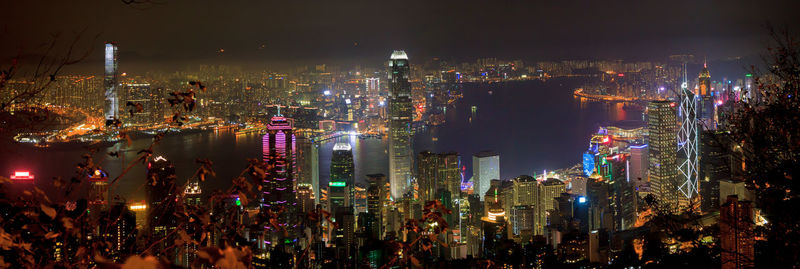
278, 192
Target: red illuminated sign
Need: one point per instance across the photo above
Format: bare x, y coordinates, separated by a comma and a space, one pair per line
22, 175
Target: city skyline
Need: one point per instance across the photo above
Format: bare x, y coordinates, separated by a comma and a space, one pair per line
273, 135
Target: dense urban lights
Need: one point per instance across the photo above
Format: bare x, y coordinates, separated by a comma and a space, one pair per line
305, 148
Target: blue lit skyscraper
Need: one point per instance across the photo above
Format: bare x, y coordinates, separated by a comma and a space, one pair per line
111, 82
400, 117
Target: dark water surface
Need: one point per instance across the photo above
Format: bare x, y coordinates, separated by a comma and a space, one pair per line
534, 126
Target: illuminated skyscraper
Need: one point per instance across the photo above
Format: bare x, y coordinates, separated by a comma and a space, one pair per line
344, 236
638, 165
161, 198
737, 239
704, 81
426, 175
549, 190
341, 183
438, 171
308, 165
705, 108
151, 100
140, 210
485, 167
278, 187
400, 117
111, 82
688, 140
191, 197
98, 194
118, 231
525, 189
662, 155
305, 193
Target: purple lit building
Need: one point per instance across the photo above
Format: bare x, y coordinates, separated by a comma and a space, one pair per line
278, 187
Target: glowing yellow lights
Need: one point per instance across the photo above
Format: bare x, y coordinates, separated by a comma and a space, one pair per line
494, 214
138, 207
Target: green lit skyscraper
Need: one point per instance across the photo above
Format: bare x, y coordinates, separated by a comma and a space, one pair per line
400, 116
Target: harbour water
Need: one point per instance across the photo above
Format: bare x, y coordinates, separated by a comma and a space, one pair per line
534, 125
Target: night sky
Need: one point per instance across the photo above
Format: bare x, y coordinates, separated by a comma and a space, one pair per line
318, 31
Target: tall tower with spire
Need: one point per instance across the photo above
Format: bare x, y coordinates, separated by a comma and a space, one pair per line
704, 81
688, 144
400, 113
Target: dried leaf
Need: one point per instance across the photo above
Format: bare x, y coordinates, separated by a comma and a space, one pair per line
52, 235
48, 210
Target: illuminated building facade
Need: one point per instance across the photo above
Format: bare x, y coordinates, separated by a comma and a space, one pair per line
662, 153
715, 166
344, 236
150, 99
485, 168
704, 81
341, 182
549, 190
308, 165
278, 187
438, 171
191, 197
111, 82
120, 231
522, 219
305, 198
98, 194
400, 117
525, 189
688, 143
359, 199
737, 240
638, 164
140, 210
161, 200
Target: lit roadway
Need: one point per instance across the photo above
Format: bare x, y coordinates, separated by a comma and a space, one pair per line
579, 92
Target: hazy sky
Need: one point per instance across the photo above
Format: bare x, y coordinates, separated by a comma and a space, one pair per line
310, 31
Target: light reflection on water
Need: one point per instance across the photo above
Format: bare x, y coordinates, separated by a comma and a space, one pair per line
533, 125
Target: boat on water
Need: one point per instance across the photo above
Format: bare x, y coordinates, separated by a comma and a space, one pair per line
366, 136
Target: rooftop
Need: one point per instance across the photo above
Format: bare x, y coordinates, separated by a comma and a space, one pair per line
399, 55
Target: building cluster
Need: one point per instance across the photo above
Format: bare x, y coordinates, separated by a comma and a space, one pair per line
582, 216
